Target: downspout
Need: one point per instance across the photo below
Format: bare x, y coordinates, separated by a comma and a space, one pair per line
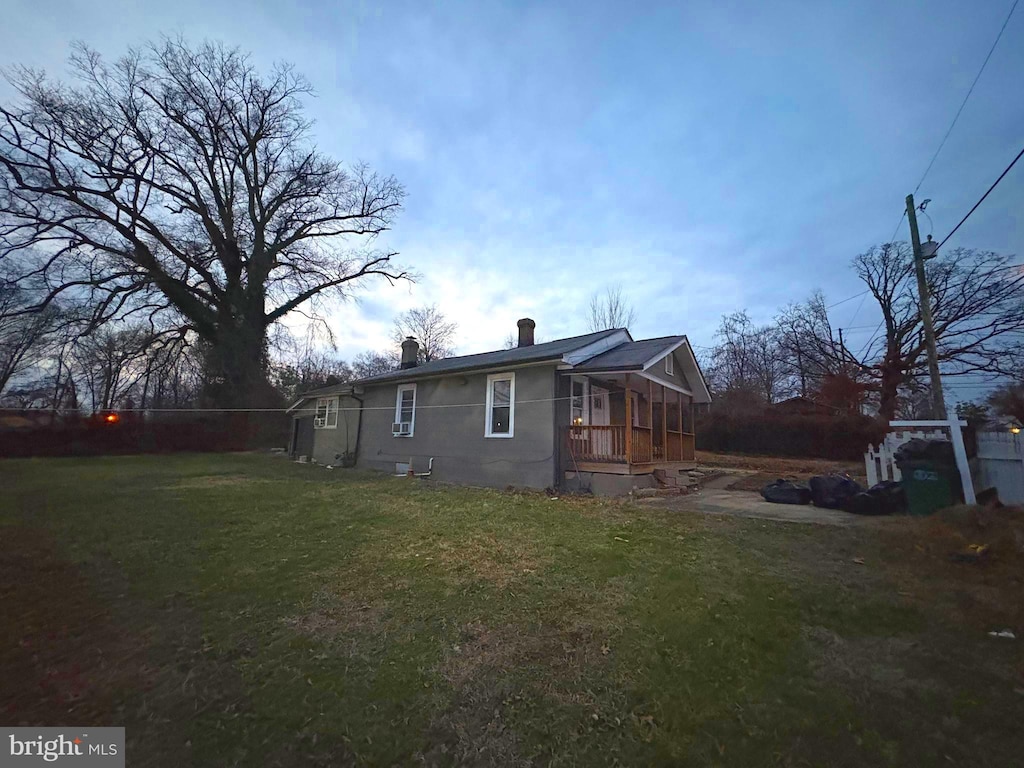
359, 425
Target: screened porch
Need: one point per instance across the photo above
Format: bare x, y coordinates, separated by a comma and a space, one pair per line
627, 423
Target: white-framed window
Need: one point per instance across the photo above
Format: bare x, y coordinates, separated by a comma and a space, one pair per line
405, 411
501, 405
670, 365
326, 413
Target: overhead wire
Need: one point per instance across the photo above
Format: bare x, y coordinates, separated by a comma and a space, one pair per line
968, 96
987, 193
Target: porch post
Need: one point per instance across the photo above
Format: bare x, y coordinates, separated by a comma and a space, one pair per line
679, 409
650, 409
629, 422
664, 425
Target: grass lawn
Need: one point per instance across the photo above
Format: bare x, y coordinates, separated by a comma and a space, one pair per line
244, 610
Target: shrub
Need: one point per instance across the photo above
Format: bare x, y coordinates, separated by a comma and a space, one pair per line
840, 438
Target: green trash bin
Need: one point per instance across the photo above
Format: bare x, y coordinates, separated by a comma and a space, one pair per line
929, 485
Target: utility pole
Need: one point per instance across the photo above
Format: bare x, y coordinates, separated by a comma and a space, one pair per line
938, 401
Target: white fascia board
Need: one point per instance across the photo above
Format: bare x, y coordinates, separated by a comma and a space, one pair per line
666, 384
664, 353
345, 392
697, 378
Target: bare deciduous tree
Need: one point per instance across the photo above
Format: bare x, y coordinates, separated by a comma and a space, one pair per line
311, 369
428, 325
179, 179
746, 359
977, 305
110, 362
1008, 400
609, 310
23, 335
373, 363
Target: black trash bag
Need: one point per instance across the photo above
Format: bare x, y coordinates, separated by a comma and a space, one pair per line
886, 498
785, 492
934, 451
832, 491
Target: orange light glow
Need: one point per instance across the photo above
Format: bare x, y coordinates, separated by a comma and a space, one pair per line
112, 418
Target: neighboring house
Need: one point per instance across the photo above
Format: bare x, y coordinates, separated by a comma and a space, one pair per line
601, 411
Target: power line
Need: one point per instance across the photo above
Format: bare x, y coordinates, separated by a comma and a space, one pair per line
994, 185
871, 340
864, 293
851, 298
857, 311
310, 409
968, 96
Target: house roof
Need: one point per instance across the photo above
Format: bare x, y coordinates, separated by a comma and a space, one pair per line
550, 350
632, 355
615, 354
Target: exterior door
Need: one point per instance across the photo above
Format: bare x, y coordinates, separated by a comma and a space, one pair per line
599, 407
302, 437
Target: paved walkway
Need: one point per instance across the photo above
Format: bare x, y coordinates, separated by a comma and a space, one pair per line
718, 501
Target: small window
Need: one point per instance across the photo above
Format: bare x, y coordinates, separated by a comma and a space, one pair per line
501, 401
670, 365
326, 413
405, 411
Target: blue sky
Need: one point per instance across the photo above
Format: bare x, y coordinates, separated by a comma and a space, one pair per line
707, 156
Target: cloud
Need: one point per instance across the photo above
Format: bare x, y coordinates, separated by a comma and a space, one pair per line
706, 157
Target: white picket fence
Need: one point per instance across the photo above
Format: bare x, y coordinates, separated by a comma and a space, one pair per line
880, 462
1000, 465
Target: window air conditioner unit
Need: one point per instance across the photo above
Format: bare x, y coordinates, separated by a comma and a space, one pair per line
319, 421
400, 428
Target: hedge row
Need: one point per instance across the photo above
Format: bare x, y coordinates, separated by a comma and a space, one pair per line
224, 432
840, 438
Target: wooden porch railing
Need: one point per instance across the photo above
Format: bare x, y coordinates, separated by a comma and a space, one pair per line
643, 446
598, 443
607, 444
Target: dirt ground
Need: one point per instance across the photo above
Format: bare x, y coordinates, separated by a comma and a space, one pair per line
752, 473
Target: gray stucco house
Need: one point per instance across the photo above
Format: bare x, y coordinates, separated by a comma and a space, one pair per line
599, 411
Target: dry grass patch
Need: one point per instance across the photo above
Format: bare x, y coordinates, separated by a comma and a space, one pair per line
889, 665
780, 467
206, 482
934, 554
331, 615
484, 556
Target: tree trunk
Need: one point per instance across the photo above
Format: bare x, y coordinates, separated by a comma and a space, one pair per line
892, 377
236, 375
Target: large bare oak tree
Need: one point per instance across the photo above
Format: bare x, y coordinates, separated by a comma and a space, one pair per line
179, 180
977, 300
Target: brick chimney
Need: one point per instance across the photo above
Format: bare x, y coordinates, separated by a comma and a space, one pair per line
410, 352
526, 327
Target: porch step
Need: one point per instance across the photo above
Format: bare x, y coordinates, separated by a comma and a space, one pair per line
675, 478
